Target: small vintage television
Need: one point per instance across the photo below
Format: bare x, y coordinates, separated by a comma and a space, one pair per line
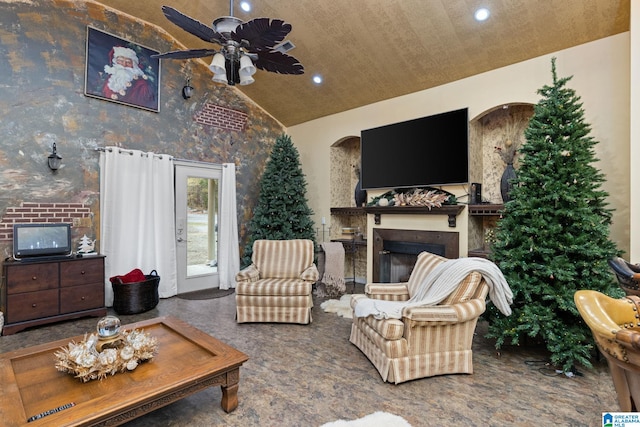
33, 240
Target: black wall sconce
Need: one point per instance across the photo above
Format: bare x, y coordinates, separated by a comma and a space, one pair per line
187, 90
54, 159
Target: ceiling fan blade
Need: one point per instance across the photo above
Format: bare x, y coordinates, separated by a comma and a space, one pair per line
261, 33
193, 26
186, 54
277, 62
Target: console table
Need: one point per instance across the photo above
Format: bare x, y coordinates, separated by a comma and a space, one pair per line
43, 291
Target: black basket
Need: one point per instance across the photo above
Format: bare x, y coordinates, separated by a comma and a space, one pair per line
135, 297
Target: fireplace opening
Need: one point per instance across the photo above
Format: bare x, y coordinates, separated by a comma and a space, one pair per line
395, 251
398, 258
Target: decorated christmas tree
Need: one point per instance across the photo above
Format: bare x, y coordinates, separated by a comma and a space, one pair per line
282, 212
553, 238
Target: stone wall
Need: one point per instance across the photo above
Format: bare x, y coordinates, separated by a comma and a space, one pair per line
42, 102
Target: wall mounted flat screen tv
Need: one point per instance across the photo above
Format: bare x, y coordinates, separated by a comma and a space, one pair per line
428, 151
41, 240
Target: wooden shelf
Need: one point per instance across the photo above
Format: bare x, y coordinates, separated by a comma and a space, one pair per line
452, 211
480, 253
486, 209
351, 242
348, 211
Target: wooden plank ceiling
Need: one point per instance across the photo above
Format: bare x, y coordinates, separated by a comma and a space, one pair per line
372, 50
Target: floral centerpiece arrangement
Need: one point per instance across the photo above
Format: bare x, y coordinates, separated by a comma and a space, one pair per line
84, 361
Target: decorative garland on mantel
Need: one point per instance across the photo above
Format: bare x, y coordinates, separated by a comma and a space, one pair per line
421, 196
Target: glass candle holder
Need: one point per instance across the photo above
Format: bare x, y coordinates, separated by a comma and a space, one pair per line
108, 327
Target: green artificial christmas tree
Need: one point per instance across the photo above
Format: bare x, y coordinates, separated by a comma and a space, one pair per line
282, 212
553, 238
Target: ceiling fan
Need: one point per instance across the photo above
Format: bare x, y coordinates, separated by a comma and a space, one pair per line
244, 46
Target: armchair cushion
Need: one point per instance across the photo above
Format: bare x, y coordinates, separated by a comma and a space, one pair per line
284, 259
282, 287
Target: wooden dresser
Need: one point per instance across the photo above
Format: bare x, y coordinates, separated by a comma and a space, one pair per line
44, 291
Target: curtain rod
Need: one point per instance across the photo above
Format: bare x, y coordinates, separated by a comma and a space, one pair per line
123, 150
131, 152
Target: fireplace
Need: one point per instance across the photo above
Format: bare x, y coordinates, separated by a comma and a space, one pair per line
395, 251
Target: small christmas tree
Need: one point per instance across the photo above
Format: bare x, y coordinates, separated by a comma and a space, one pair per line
553, 238
86, 245
282, 212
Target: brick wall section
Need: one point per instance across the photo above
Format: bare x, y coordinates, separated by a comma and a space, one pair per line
214, 115
27, 212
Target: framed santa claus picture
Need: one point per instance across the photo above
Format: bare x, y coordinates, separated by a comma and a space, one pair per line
121, 71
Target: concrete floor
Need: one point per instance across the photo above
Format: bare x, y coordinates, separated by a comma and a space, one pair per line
307, 375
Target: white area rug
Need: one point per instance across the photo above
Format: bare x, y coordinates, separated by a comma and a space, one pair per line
377, 419
341, 307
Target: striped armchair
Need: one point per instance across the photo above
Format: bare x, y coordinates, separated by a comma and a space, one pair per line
428, 340
277, 286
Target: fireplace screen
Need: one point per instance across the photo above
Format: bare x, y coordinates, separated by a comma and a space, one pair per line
395, 251
398, 258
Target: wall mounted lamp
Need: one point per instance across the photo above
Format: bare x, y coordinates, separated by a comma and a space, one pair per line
187, 90
54, 159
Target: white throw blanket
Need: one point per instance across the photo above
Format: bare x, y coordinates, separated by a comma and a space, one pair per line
439, 284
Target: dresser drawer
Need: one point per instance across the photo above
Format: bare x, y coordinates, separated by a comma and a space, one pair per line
31, 277
31, 305
82, 272
78, 298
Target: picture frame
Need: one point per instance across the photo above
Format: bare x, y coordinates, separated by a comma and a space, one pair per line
121, 71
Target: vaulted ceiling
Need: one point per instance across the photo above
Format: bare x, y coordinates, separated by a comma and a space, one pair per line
372, 50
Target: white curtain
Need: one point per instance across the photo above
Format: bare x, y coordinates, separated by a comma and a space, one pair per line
137, 216
229, 252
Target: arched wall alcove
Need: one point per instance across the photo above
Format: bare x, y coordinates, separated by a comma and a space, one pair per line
344, 159
343, 176
488, 130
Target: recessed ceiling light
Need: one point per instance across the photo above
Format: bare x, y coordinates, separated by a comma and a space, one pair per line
246, 6
481, 14
317, 79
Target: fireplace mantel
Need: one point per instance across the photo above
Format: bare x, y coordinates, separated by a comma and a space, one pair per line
452, 211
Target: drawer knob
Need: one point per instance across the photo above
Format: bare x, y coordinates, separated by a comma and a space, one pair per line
82, 298
82, 272
34, 278
33, 305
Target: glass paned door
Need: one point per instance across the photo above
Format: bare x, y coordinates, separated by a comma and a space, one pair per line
197, 207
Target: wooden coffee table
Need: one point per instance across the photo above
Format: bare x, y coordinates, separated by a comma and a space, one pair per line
188, 361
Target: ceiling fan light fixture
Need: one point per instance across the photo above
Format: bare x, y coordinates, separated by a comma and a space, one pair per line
246, 80
225, 25
220, 78
247, 68
241, 43
217, 64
